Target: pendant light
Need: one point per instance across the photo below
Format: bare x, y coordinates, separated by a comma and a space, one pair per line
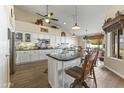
76, 26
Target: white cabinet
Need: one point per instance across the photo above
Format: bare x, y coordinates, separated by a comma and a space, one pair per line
34, 37
40, 36
52, 69
68, 41
26, 56
57, 77
18, 57
63, 40
32, 55
58, 40
46, 37
22, 57
52, 39
41, 55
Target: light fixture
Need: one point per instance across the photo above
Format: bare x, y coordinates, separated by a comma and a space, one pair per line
47, 20
73, 35
76, 26
64, 23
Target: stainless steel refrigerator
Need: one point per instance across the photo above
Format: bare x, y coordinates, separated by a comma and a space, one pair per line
12, 51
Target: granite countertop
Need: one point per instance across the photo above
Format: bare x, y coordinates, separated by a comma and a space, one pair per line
36, 49
65, 56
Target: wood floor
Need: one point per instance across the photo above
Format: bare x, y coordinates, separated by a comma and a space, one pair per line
32, 76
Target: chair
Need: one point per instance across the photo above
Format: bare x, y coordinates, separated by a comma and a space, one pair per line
95, 63
80, 74
82, 53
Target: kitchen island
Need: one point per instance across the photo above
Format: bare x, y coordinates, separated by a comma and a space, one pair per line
57, 63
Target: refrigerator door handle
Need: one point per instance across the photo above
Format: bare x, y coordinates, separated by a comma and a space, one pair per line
7, 55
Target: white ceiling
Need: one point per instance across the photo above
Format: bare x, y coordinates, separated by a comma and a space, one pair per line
90, 17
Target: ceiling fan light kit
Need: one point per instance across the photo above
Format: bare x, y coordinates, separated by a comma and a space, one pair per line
47, 20
48, 17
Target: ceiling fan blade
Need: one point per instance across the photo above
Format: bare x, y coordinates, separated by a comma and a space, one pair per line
40, 14
54, 19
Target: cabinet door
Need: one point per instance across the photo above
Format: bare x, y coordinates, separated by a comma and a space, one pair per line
33, 55
67, 41
58, 50
52, 39
25, 57
41, 36
71, 40
18, 57
42, 55
52, 70
46, 52
63, 39
34, 37
58, 40
46, 37
36, 58
75, 41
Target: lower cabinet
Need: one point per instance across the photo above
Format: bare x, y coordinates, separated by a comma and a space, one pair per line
57, 77
33, 55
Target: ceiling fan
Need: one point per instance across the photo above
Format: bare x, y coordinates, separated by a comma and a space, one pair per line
48, 17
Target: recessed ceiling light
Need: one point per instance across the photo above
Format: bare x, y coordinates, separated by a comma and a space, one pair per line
64, 23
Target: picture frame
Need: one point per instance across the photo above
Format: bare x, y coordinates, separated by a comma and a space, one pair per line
27, 37
19, 36
44, 30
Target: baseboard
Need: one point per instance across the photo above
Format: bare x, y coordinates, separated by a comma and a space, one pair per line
120, 75
9, 84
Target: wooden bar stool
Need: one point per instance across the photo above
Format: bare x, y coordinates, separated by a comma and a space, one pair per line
80, 74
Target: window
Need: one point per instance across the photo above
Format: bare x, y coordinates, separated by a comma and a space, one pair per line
121, 44
114, 44
118, 44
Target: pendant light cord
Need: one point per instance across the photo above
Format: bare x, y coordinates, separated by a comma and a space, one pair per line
47, 9
76, 13
86, 32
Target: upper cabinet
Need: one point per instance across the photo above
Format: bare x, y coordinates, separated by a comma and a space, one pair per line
30, 27
52, 39
56, 36
58, 39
